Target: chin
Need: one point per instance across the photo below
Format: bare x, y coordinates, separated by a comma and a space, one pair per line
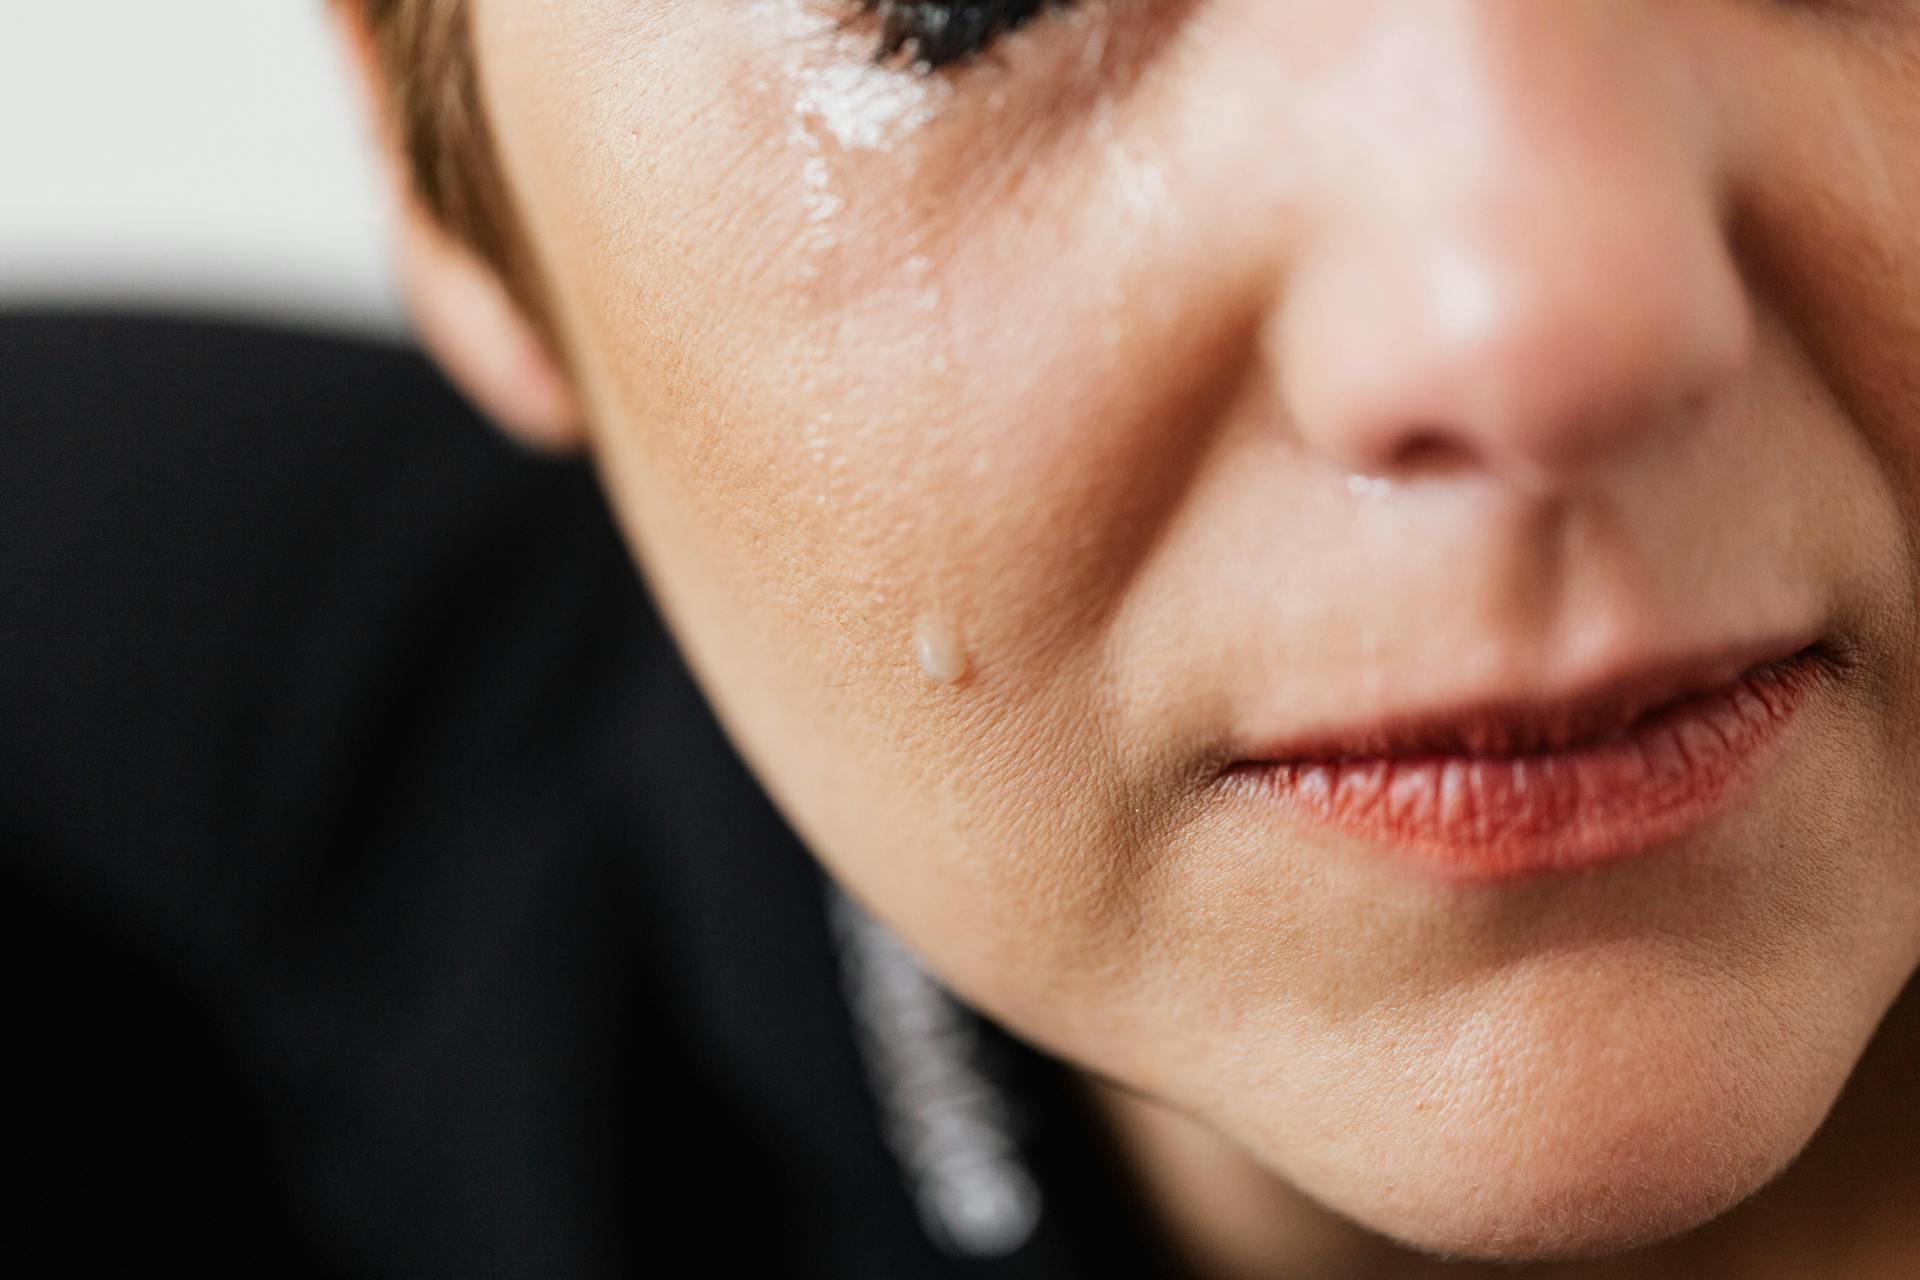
1569, 1207
1564, 1185
1553, 1132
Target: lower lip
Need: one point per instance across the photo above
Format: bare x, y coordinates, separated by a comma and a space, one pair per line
1493, 818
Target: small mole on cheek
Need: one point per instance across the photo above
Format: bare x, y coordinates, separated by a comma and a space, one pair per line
939, 649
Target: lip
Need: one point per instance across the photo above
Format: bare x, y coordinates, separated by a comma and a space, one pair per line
1509, 789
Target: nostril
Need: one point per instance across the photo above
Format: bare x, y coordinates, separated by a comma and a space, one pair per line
1430, 452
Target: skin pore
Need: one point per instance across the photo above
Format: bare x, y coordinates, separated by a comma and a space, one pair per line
1009, 448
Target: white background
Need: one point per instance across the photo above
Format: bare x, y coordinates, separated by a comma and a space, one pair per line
198, 154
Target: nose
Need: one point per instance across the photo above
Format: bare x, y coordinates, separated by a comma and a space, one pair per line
1524, 272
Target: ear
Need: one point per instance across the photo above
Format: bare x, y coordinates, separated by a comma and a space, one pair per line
481, 338
462, 310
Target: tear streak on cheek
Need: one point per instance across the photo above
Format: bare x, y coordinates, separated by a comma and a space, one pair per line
832, 104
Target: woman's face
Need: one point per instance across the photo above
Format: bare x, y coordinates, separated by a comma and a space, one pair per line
1027, 454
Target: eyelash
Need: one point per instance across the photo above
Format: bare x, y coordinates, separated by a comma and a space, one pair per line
944, 32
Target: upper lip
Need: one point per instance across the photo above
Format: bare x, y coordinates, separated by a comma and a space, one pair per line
1587, 711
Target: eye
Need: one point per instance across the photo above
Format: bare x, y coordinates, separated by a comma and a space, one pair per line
939, 32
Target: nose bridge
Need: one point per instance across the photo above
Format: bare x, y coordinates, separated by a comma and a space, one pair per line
1519, 261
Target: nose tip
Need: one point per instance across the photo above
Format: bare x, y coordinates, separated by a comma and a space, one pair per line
1530, 356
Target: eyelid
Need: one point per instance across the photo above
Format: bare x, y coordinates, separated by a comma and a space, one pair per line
942, 33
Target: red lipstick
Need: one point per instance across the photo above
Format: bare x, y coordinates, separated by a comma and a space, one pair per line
1498, 792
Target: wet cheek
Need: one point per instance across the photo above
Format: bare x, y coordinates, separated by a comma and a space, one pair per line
963, 443
896, 506
876, 408
869, 553
957, 517
841, 355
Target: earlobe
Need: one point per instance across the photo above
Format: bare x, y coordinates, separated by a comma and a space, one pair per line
483, 340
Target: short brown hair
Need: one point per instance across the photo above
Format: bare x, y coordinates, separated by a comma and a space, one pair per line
436, 110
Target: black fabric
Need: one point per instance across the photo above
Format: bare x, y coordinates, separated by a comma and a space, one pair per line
377, 896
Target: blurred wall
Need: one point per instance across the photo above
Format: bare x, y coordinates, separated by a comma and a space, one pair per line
203, 154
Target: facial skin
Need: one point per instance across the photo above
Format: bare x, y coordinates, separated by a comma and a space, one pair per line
1216, 368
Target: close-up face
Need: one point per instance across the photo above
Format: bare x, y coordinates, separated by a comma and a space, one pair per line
1347, 566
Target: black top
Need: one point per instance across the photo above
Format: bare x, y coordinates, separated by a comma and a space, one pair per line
379, 898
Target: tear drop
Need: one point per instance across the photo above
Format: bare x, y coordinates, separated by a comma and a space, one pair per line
939, 649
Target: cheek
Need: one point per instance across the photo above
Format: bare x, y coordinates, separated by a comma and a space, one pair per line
1833, 148
831, 450
849, 434
1831, 144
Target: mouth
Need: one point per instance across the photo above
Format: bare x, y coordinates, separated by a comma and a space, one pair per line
1503, 790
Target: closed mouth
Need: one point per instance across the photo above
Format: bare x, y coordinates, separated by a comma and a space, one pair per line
1498, 791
